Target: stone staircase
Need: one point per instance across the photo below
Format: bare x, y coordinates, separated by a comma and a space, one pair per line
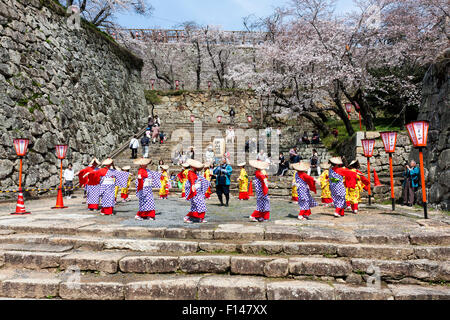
165, 151
285, 260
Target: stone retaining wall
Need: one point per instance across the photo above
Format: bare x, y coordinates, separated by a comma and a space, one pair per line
59, 85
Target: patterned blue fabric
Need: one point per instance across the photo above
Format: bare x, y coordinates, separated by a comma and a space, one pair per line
198, 203
305, 200
92, 194
337, 189
262, 201
107, 191
146, 200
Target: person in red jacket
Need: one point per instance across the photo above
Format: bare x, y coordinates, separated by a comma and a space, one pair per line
91, 183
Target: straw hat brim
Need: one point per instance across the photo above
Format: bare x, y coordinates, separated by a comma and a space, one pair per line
353, 162
194, 163
165, 167
325, 165
126, 168
241, 164
107, 162
94, 160
261, 165
336, 160
301, 166
185, 165
142, 161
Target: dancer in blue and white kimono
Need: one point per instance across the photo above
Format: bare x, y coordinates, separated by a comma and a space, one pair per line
145, 182
195, 189
336, 175
304, 183
109, 179
261, 185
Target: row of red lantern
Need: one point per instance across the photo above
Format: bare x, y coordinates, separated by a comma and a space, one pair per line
348, 108
219, 118
418, 134
21, 147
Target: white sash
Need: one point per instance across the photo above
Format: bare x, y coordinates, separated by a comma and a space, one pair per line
148, 182
108, 181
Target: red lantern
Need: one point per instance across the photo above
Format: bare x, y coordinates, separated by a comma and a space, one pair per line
177, 83
21, 146
389, 140
61, 150
249, 85
152, 81
219, 119
368, 147
418, 133
249, 119
192, 118
348, 107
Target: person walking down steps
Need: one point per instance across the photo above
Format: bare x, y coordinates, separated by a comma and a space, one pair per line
134, 145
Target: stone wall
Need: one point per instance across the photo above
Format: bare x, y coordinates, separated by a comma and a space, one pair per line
59, 85
207, 105
436, 109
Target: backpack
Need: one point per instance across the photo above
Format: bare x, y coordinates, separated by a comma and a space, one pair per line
145, 141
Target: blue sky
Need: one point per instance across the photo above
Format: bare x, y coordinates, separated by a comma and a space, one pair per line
228, 13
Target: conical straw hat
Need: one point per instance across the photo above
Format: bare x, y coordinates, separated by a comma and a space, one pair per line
336, 160
194, 163
261, 165
142, 161
301, 166
107, 162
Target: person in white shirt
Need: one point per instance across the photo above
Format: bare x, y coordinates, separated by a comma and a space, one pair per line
68, 180
134, 145
209, 154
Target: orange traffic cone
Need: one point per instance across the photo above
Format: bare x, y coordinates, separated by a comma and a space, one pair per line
20, 206
59, 200
250, 189
375, 179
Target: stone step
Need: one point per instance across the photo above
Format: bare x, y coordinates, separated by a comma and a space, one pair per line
179, 240
274, 266
74, 286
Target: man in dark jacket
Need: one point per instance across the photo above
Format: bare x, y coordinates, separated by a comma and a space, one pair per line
223, 175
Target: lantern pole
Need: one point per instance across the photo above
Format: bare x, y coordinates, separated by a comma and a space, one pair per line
360, 126
391, 172
368, 175
20, 173
422, 179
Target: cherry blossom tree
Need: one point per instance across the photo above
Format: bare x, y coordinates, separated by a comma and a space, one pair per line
101, 12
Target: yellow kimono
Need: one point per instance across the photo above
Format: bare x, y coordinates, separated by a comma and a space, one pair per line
294, 190
164, 190
183, 180
243, 185
124, 192
325, 186
353, 196
207, 175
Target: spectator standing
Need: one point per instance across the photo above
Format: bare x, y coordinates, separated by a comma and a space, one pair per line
150, 122
134, 145
223, 174
155, 133
209, 154
191, 153
68, 180
268, 132
279, 132
411, 183
314, 163
261, 156
232, 115
162, 137
145, 142
157, 121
